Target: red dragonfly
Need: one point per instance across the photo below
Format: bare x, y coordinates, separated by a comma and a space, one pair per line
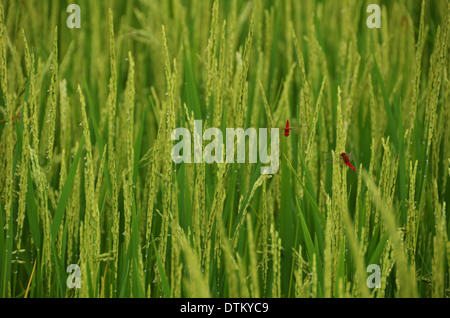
287, 129
13, 117
345, 159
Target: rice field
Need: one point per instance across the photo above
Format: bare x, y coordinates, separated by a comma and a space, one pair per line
87, 177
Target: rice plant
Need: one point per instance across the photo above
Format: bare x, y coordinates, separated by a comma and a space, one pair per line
88, 182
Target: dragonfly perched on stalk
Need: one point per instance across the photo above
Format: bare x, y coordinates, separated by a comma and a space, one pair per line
287, 129
343, 158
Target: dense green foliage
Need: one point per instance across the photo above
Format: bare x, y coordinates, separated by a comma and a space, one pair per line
87, 178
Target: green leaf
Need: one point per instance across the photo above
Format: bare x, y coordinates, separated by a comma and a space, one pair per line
162, 273
391, 124
375, 258
309, 196
192, 95
307, 236
67, 189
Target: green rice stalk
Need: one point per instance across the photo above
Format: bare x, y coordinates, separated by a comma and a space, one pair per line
256, 185
44, 213
412, 216
62, 182
254, 284
406, 279
439, 252
200, 288
111, 105
276, 254
23, 185
92, 215
51, 119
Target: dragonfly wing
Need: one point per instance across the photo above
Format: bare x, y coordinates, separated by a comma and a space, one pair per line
328, 155
330, 159
350, 156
